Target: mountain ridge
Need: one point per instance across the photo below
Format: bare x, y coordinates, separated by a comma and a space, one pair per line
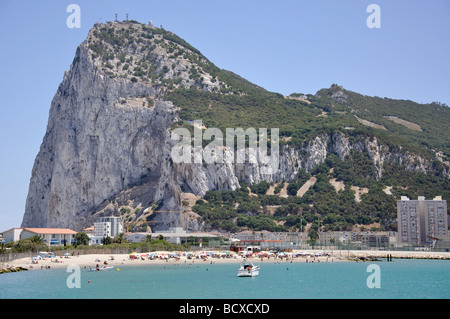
107, 146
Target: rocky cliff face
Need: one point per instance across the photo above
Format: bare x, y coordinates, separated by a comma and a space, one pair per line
108, 142
107, 133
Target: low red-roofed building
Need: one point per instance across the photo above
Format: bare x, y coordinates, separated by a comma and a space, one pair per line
51, 236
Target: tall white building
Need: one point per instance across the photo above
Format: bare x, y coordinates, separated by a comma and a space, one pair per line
420, 220
108, 227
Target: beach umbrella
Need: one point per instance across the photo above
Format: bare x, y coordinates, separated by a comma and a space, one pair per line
66, 254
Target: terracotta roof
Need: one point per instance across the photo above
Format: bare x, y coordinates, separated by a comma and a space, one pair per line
51, 231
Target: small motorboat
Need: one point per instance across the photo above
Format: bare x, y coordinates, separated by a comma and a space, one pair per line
100, 268
247, 269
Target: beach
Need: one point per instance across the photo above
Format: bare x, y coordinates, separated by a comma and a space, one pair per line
161, 258
214, 257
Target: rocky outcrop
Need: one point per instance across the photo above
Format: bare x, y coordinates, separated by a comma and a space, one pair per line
7, 268
95, 145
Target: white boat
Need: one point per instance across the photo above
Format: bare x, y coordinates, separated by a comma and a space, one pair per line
247, 269
100, 268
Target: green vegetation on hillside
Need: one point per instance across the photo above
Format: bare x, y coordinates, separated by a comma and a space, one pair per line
322, 204
402, 126
240, 103
431, 119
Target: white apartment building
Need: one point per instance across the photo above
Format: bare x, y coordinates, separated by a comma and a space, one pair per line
108, 227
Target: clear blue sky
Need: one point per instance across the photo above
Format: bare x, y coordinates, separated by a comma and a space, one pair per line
283, 46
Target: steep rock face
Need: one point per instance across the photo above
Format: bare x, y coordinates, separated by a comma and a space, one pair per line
108, 144
95, 146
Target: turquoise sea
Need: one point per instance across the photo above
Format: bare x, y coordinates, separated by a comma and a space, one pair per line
401, 279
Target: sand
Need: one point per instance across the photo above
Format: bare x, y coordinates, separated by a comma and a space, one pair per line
119, 260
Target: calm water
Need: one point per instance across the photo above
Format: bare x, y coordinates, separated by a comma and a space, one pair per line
399, 279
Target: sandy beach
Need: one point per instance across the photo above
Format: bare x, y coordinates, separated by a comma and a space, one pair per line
160, 258
166, 258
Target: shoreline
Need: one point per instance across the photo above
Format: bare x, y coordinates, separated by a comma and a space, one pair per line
142, 259
91, 261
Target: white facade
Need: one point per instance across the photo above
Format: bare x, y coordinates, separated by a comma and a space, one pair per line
51, 236
12, 234
102, 229
174, 235
95, 240
108, 227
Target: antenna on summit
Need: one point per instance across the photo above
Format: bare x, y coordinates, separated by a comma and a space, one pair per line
116, 17
127, 17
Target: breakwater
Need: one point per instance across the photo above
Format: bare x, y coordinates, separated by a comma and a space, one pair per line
375, 254
5, 268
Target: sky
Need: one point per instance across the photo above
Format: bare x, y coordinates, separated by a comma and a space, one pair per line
284, 46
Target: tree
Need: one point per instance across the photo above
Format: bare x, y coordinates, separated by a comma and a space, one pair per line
120, 239
107, 240
36, 239
313, 236
293, 188
33, 243
82, 238
260, 188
